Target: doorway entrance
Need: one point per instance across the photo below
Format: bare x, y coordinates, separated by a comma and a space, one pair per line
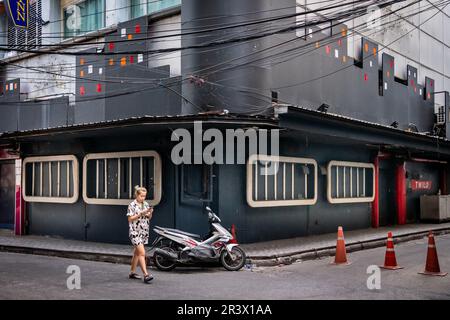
386, 190
7, 194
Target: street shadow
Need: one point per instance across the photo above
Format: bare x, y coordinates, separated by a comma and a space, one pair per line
192, 269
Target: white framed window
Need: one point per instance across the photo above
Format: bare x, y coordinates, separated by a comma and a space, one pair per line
141, 8
350, 182
109, 178
274, 181
82, 16
52, 179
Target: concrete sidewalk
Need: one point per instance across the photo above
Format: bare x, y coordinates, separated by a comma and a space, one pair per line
268, 253
316, 246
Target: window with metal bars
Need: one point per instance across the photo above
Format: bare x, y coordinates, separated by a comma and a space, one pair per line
31, 38
52, 179
350, 182
110, 178
281, 181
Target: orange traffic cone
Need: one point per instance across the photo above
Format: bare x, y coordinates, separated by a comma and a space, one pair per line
341, 253
432, 263
233, 233
390, 262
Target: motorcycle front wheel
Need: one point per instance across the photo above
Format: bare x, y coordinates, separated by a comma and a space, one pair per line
235, 261
162, 263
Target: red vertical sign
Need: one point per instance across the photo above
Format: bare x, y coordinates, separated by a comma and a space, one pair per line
401, 193
19, 203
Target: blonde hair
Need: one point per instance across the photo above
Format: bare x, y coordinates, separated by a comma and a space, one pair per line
138, 190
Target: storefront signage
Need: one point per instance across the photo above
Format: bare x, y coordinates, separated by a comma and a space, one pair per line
421, 184
18, 12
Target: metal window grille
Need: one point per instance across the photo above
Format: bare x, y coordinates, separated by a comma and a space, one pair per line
110, 178
52, 179
281, 181
350, 182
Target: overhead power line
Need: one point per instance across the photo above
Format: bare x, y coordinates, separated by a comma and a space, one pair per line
213, 43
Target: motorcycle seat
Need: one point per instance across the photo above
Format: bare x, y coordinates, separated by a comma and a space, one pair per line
192, 235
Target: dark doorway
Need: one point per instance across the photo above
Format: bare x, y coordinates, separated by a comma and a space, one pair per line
386, 191
196, 191
7, 194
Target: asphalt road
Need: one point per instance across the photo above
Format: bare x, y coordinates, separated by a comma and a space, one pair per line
42, 277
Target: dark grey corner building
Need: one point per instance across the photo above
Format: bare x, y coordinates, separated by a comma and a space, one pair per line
363, 134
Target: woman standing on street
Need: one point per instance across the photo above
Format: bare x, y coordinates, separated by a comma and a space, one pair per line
139, 214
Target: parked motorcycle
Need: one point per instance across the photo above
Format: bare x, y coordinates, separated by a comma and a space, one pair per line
175, 247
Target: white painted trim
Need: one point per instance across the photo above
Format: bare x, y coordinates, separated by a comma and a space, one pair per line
68, 178
58, 180
75, 169
118, 178
349, 164
130, 178
278, 203
124, 155
97, 166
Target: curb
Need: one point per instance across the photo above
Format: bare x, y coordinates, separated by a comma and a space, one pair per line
262, 261
317, 253
89, 256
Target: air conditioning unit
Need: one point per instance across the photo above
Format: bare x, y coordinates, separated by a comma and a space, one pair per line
435, 208
440, 115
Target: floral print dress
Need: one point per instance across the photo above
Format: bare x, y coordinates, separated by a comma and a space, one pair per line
138, 229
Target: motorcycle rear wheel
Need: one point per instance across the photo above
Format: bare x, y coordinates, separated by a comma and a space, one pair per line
162, 263
228, 262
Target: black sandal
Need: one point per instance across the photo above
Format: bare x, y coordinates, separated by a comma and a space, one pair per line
148, 278
134, 275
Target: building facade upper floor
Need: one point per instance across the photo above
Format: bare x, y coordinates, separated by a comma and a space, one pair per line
226, 53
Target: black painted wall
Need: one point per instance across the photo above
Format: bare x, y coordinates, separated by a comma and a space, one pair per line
262, 224
120, 85
17, 115
215, 65
352, 88
306, 71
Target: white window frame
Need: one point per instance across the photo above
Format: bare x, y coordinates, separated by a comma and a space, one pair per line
347, 164
65, 5
278, 203
64, 158
144, 4
124, 155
